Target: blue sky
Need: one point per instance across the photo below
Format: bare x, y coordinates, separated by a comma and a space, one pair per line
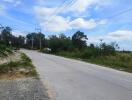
110, 20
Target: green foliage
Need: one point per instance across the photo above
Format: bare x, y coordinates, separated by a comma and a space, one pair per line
6, 35
79, 40
88, 53
73, 47
25, 58
108, 49
25, 63
95, 51
35, 37
60, 43
105, 54
121, 61
17, 42
4, 50
72, 54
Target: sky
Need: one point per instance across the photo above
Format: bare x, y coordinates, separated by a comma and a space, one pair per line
110, 20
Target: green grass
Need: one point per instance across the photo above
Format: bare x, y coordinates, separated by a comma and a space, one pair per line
14, 66
119, 61
5, 51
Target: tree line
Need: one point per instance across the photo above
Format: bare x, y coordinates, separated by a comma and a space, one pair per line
54, 44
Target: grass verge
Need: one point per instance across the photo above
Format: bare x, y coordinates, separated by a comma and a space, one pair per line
119, 61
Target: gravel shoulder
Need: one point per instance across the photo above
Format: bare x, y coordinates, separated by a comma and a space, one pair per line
23, 89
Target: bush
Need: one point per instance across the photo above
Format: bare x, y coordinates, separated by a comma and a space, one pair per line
108, 49
4, 51
87, 53
25, 58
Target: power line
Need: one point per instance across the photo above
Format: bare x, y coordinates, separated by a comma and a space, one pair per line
119, 13
64, 6
56, 11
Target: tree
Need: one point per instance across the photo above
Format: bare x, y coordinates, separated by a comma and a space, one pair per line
108, 49
6, 35
34, 39
18, 41
54, 43
79, 40
60, 43
92, 45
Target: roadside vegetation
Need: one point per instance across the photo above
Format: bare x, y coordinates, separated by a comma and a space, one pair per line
4, 51
120, 61
21, 68
75, 46
106, 54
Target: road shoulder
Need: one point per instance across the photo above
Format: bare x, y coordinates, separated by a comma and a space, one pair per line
23, 89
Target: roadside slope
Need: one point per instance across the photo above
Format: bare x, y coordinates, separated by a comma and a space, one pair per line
19, 79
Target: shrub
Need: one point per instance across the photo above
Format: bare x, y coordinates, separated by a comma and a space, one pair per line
4, 51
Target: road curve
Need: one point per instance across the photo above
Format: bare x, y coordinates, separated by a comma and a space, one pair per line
77, 80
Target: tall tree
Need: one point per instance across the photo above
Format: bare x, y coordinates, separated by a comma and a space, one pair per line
60, 43
6, 35
54, 43
79, 40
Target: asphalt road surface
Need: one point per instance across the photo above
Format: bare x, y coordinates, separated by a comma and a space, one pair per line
77, 80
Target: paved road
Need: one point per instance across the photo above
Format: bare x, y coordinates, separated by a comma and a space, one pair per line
76, 80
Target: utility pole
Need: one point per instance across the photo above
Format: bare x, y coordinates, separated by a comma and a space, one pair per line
32, 42
1, 28
40, 40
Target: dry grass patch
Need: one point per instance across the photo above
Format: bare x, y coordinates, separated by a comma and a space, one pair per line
18, 69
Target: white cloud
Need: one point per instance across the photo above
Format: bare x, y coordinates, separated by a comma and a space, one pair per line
81, 23
9, 1
59, 23
4, 13
18, 2
18, 33
121, 34
45, 11
55, 23
2, 9
122, 37
14, 2
85, 24
83, 5
52, 21
118, 35
102, 22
